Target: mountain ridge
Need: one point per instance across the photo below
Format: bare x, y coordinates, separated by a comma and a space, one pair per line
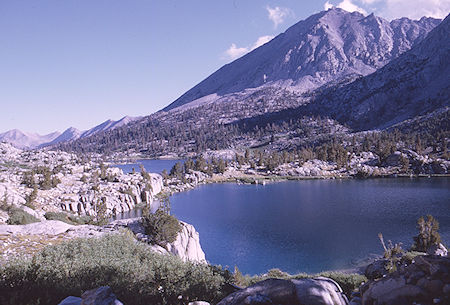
27, 140
325, 46
411, 85
23, 139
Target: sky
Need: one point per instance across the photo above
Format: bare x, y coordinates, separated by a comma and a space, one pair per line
77, 63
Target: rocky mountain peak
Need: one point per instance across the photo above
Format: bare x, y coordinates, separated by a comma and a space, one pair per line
324, 47
414, 84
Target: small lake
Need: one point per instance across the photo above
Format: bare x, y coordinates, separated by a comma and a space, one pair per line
310, 225
152, 166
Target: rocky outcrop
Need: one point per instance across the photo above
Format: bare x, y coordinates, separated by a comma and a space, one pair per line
75, 185
311, 168
425, 281
99, 296
190, 180
377, 269
439, 250
317, 291
186, 246
71, 301
49, 227
416, 163
120, 196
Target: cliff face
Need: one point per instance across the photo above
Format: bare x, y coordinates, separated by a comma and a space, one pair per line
187, 245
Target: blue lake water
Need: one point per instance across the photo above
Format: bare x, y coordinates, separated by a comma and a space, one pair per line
152, 166
311, 225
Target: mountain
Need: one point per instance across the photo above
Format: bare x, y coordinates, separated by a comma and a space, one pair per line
33, 140
109, 125
326, 46
414, 84
69, 134
26, 140
389, 86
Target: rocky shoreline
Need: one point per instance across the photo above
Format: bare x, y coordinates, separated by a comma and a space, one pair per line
365, 165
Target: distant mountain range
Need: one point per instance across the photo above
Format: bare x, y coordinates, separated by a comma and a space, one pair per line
22, 139
27, 140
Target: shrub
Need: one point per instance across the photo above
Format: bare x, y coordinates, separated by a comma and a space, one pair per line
393, 253
238, 278
18, 216
101, 216
4, 203
409, 256
428, 234
146, 176
161, 227
277, 273
349, 282
68, 218
30, 198
135, 274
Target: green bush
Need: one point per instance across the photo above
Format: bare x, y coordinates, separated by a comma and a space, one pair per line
18, 216
161, 227
393, 253
349, 282
68, 218
277, 273
135, 274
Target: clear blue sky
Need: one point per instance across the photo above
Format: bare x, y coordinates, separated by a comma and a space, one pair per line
80, 62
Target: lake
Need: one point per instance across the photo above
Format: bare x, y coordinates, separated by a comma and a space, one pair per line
309, 225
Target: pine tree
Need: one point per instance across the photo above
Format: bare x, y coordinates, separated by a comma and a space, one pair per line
428, 234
